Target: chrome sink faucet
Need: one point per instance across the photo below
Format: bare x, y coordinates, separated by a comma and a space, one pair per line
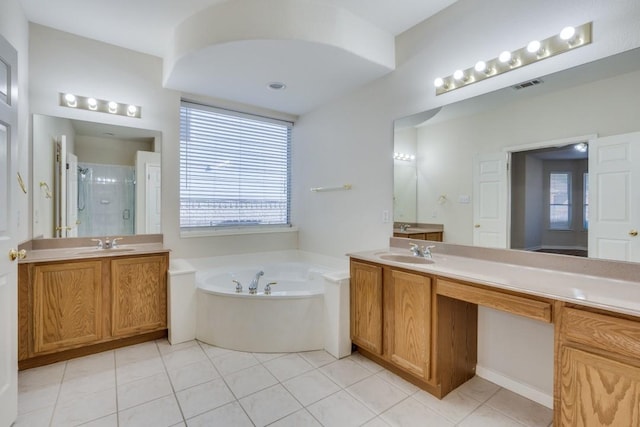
421, 251
404, 227
253, 286
99, 244
111, 243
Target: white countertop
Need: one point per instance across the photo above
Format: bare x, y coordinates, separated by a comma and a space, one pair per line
619, 296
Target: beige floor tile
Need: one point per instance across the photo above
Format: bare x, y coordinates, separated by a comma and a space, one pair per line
229, 363
289, 366
265, 357
39, 417
138, 370
204, 397
398, 381
366, 363
163, 412
108, 421
250, 380
177, 359
136, 353
269, 405
521, 409
143, 390
340, 410
345, 372
376, 394
37, 398
100, 362
41, 376
228, 415
454, 406
318, 358
411, 413
302, 418
485, 416
479, 389
85, 408
311, 387
193, 374
87, 384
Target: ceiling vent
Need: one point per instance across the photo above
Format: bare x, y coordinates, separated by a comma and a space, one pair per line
529, 83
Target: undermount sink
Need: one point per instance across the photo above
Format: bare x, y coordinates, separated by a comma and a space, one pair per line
105, 251
408, 259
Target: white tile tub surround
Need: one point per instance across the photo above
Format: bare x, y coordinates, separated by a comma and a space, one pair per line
260, 323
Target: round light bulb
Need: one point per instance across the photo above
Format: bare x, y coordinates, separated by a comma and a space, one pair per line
113, 106
567, 33
70, 99
132, 110
533, 46
480, 66
458, 75
438, 82
92, 103
505, 57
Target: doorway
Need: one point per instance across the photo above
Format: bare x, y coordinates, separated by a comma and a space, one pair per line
549, 194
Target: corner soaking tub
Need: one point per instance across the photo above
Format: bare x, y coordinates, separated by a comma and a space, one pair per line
296, 316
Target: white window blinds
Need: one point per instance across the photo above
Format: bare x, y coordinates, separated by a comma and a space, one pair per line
234, 168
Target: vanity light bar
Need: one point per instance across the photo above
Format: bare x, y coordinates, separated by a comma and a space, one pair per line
568, 39
92, 104
403, 156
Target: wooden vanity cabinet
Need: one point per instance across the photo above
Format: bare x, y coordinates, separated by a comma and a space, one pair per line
435, 236
398, 320
597, 368
407, 318
366, 306
67, 305
76, 307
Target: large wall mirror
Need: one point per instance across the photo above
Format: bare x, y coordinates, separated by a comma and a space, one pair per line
94, 179
536, 129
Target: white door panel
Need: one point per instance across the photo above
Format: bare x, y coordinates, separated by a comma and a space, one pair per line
490, 200
8, 240
614, 197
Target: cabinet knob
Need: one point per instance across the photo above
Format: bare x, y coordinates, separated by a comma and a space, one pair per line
14, 254
477, 226
633, 233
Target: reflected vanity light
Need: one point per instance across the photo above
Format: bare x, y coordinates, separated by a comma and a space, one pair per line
404, 157
100, 105
581, 147
536, 50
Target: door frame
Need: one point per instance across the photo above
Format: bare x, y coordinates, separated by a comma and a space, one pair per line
554, 143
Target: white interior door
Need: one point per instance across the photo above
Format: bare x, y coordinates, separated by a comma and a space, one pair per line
153, 198
490, 205
72, 195
614, 197
8, 240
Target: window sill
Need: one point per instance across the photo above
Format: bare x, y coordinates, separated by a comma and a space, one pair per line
214, 232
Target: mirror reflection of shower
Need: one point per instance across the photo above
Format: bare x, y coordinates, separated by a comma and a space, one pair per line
106, 199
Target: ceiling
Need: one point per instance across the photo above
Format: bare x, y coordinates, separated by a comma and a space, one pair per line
320, 49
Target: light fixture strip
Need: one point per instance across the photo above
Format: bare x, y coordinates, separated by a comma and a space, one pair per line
100, 105
549, 47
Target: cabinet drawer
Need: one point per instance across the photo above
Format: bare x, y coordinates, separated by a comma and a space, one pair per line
604, 332
522, 306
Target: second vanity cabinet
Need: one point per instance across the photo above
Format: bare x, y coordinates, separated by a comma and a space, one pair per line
65, 308
399, 321
597, 369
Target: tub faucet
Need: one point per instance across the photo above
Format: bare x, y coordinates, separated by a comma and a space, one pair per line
253, 286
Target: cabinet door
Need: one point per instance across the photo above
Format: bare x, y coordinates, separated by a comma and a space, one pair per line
408, 314
139, 295
66, 305
598, 391
366, 306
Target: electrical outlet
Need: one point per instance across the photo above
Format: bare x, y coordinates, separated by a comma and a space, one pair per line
385, 216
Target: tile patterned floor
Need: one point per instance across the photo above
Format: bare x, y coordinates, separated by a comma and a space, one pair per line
156, 384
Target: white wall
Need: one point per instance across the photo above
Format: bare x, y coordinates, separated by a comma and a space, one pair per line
405, 183
110, 151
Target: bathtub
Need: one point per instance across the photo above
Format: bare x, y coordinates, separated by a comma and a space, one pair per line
308, 308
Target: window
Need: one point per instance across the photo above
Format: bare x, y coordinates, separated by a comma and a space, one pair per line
585, 201
234, 169
560, 201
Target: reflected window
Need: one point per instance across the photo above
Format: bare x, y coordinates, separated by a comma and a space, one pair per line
4, 82
585, 208
560, 201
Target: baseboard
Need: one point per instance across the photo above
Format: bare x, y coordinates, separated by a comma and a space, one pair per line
515, 386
